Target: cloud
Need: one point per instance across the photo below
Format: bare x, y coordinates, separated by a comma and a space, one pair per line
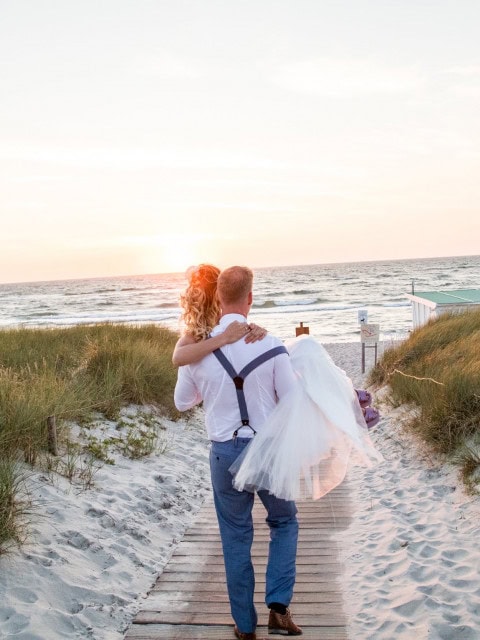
150, 240
334, 77
134, 159
465, 71
167, 66
39, 179
463, 81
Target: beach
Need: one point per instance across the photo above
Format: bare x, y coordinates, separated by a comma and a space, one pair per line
410, 556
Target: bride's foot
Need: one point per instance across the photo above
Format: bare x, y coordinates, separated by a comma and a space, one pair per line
364, 397
372, 416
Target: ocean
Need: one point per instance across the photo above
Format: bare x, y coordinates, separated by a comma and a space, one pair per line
325, 297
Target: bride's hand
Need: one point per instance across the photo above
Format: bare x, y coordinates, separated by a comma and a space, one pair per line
235, 331
256, 333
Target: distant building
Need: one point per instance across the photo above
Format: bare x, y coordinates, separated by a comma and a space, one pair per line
431, 304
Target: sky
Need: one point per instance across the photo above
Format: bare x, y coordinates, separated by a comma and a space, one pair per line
144, 136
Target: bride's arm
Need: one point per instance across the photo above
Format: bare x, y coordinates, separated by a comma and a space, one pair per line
187, 351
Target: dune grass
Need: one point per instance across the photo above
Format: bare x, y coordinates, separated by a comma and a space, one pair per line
438, 370
14, 504
71, 373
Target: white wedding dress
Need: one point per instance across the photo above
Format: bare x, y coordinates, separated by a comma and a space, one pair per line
304, 448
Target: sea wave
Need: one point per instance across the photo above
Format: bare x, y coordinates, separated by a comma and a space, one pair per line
41, 314
388, 303
396, 304
268, 304
264, 305
274, 310
57, 320
303, 292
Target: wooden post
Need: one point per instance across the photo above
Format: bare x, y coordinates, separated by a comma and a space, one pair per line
52, 436
369, 336
301, 329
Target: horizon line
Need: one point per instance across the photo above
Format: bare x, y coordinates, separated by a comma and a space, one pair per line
280, 266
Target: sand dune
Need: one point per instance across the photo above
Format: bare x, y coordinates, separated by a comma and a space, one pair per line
411, 555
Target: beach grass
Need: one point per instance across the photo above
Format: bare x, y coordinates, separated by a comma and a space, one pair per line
14, 504
72, 373
437, 369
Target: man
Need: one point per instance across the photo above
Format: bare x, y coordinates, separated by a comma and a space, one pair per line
231, 423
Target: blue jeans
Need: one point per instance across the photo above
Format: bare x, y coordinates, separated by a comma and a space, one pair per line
234, 512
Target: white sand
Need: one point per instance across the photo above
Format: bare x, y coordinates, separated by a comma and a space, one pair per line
411, 554
93, 555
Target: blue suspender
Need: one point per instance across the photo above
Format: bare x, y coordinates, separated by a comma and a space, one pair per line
238, 378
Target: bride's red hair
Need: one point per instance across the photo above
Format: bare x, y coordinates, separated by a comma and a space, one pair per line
201, 308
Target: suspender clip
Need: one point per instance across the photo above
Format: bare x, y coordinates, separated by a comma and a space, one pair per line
238, 382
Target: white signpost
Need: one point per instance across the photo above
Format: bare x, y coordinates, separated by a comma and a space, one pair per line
362, 316
369, 336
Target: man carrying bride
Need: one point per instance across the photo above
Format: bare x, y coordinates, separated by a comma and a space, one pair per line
240, 383
308, 421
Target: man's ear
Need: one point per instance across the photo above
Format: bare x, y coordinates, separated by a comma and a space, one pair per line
250, 298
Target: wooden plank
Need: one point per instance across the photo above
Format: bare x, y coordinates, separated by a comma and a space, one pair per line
332, 619
158, 597
340, 508
261, 514
305, 519
219, 578
219, 632
222, 607
214, 570
303, 507
208, 587
214, 549
303, 541
307, 535
306, 557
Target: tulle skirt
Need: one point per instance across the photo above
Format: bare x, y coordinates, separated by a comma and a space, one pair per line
316, 430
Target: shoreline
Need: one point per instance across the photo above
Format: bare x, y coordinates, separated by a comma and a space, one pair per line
409, 555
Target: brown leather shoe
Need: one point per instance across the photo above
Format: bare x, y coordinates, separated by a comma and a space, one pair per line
244, 636
283, 624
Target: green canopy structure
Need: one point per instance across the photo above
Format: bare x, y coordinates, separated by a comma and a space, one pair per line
431, 304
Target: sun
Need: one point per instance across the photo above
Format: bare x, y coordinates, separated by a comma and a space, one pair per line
178, 256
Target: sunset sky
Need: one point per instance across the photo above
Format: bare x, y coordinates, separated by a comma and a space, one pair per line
142, 136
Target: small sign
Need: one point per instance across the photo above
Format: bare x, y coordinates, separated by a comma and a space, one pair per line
362, 316
301, 329
370, 333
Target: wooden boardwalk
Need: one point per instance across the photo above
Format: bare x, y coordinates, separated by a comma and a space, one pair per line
189, 600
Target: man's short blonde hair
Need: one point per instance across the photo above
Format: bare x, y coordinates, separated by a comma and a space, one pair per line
234, 284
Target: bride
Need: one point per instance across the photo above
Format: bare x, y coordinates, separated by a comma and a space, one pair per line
306, 444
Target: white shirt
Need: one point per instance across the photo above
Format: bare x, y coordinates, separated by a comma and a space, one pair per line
208, 381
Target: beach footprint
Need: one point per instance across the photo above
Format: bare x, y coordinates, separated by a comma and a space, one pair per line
12, 623
77, 540
23, 594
